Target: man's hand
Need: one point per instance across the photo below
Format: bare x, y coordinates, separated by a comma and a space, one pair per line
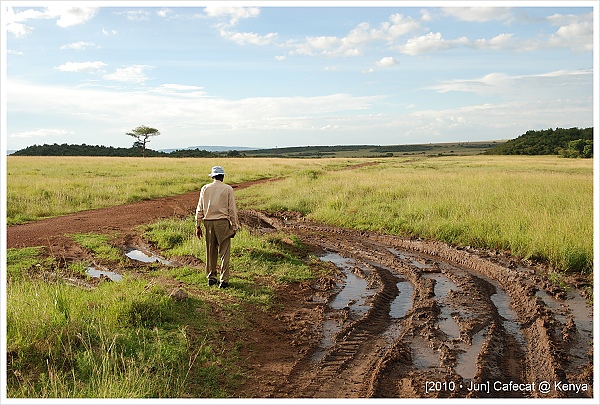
199, 232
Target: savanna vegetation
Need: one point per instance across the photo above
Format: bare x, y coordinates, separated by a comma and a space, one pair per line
46, 186
99, 150
132, 339
557, 141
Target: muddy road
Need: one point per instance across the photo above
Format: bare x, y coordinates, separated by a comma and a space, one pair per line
412, 318
399, 317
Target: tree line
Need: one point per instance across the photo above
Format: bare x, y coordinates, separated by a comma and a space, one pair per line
571, 142
99, 150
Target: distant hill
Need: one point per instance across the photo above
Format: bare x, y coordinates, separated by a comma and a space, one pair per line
544, 142
375, 151
211, 148
438, 149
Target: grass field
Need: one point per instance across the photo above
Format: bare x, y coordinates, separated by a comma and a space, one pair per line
40, 187
536, 207
132, 340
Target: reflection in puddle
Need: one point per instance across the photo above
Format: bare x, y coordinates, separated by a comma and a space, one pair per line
354, 291
413, 262
422, 355
466, 364
443, 285
575, 308
403, 302
143, 257
94, 272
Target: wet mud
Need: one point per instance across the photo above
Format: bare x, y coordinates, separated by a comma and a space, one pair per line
421, 319
398, 318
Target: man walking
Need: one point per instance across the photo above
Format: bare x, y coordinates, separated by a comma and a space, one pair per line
216, 209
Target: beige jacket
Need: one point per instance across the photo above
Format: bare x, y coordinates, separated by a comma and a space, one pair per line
217, 202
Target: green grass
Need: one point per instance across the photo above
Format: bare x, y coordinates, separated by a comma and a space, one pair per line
131, 339
40, 187
538, 208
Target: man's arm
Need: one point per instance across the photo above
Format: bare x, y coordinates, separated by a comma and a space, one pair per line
233, 218
200, 214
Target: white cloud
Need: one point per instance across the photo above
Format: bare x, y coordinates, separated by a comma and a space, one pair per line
18, 30
356, 39
13, 52
109, 32
182, 90
81, 66
523, 86
235, 14
499, 42
577, 35
245, 38
171, 106
68, 16
65, 15
130, 74
163, 12
478, 14
386, 62
136, 15
79, 46
40, 133
430, 43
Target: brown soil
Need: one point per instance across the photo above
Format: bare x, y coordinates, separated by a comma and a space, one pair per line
421, 319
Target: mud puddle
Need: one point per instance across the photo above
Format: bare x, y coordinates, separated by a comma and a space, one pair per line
410, 311
136, 254
95, 272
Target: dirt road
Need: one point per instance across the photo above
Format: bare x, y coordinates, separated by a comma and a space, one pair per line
403, 318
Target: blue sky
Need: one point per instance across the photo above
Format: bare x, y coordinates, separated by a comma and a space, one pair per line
275, 74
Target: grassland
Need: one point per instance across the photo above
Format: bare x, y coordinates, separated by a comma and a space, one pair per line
133, 340
535, 207
40, 187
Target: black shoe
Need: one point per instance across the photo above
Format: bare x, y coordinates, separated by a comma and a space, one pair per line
224, 285
212, 282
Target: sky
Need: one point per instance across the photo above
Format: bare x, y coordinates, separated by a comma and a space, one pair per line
275, 74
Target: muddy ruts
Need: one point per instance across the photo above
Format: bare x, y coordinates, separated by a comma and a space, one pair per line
475, 320
344, 369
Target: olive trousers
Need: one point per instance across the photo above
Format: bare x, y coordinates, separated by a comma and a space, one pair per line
218, 243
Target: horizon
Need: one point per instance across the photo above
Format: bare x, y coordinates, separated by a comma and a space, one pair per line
217, 148
281, 75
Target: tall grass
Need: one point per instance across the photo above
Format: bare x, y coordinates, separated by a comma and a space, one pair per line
536, 207
131, 339
39, 187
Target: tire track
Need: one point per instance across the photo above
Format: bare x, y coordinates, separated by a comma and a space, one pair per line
474, 321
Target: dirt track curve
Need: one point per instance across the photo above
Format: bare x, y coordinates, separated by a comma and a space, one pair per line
402, 318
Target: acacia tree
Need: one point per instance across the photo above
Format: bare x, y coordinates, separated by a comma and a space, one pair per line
142, 135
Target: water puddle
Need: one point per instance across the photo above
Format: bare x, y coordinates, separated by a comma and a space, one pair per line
466, 362
413, 262
403, 302
96, 273
576, 308
422, 355
355, 291
353, 296
330, 328
138, 255
443, 285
